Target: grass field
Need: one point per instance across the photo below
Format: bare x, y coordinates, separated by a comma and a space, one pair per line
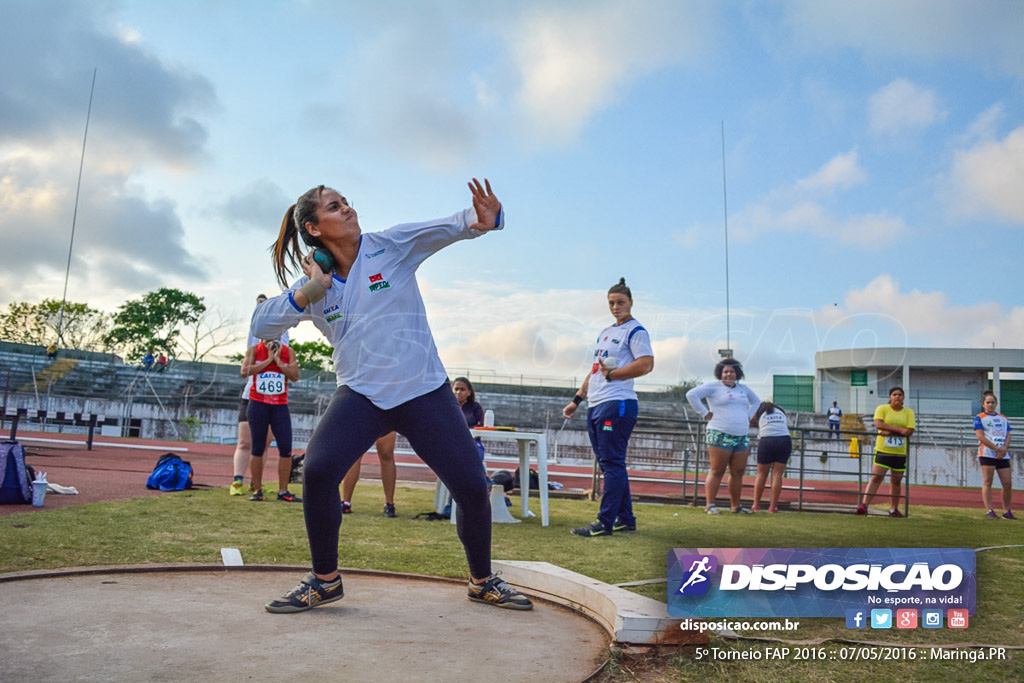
193, 526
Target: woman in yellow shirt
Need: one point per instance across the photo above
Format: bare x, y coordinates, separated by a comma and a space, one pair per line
895, 424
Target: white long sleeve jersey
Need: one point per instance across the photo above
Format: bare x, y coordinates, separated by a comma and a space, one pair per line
732, 406
375, 318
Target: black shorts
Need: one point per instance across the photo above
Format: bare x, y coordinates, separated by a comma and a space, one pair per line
896, 463
998, 463
772, 449
243, 407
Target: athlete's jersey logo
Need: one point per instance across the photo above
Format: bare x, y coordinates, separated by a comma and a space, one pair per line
332, 313
377, 282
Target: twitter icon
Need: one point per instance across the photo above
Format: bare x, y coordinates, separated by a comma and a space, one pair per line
881, 618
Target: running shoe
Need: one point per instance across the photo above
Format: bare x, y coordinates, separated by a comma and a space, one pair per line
862, 509
895, 513
389, 510
496, 592
346, 507
288, 497
258, 496
1008, 515
237, 488
742, 511
991, 514
595, 528
712, 510
755, 508
773, 509
619, 526
307, 595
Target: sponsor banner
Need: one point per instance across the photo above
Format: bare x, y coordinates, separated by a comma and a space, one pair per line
817, 582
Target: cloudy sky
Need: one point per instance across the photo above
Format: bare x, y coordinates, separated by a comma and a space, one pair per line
873, 160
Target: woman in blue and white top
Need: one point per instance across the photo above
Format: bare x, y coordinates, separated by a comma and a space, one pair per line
730, 407
774, 446
389, 374
993, 432
623, 353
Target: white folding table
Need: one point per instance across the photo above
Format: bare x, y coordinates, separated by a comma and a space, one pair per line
523, 441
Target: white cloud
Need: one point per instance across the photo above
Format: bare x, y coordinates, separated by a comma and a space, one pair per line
866, 231
985, 125
988, 179
841, 171
143, 118
871, 230
932, 317
573, 59
923, 30
801, 208
902, 106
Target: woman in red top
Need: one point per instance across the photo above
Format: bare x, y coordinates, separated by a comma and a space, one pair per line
272, 366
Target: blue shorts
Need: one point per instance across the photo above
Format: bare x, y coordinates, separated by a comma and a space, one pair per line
773, 449
728, 442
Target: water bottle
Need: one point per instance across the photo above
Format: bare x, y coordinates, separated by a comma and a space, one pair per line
488, 418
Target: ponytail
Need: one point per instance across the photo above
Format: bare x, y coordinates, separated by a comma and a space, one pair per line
286, 251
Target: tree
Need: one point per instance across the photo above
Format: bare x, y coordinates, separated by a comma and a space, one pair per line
81, 327
316, 356
211, 331
154, 322
681, 388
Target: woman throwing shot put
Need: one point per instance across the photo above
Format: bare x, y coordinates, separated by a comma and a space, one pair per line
389, 374
623, 353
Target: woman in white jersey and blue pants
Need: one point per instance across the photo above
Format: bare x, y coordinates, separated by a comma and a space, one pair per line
731, 405
993, 432
390, 377
623, 353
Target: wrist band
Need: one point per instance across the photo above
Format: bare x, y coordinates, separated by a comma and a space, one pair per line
577, 400
608, 375
313, 291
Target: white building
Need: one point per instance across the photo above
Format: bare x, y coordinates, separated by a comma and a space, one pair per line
935, 381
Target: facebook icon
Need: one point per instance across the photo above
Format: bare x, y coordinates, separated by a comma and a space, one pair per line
856, 618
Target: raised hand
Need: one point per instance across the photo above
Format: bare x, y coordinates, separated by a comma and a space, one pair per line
486, 205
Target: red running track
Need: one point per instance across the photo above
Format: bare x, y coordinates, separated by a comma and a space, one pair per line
117, 469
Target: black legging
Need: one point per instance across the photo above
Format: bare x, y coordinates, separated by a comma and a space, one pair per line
436, 430
264, 416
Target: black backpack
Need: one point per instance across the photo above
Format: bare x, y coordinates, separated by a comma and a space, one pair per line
15, 476
534, 480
